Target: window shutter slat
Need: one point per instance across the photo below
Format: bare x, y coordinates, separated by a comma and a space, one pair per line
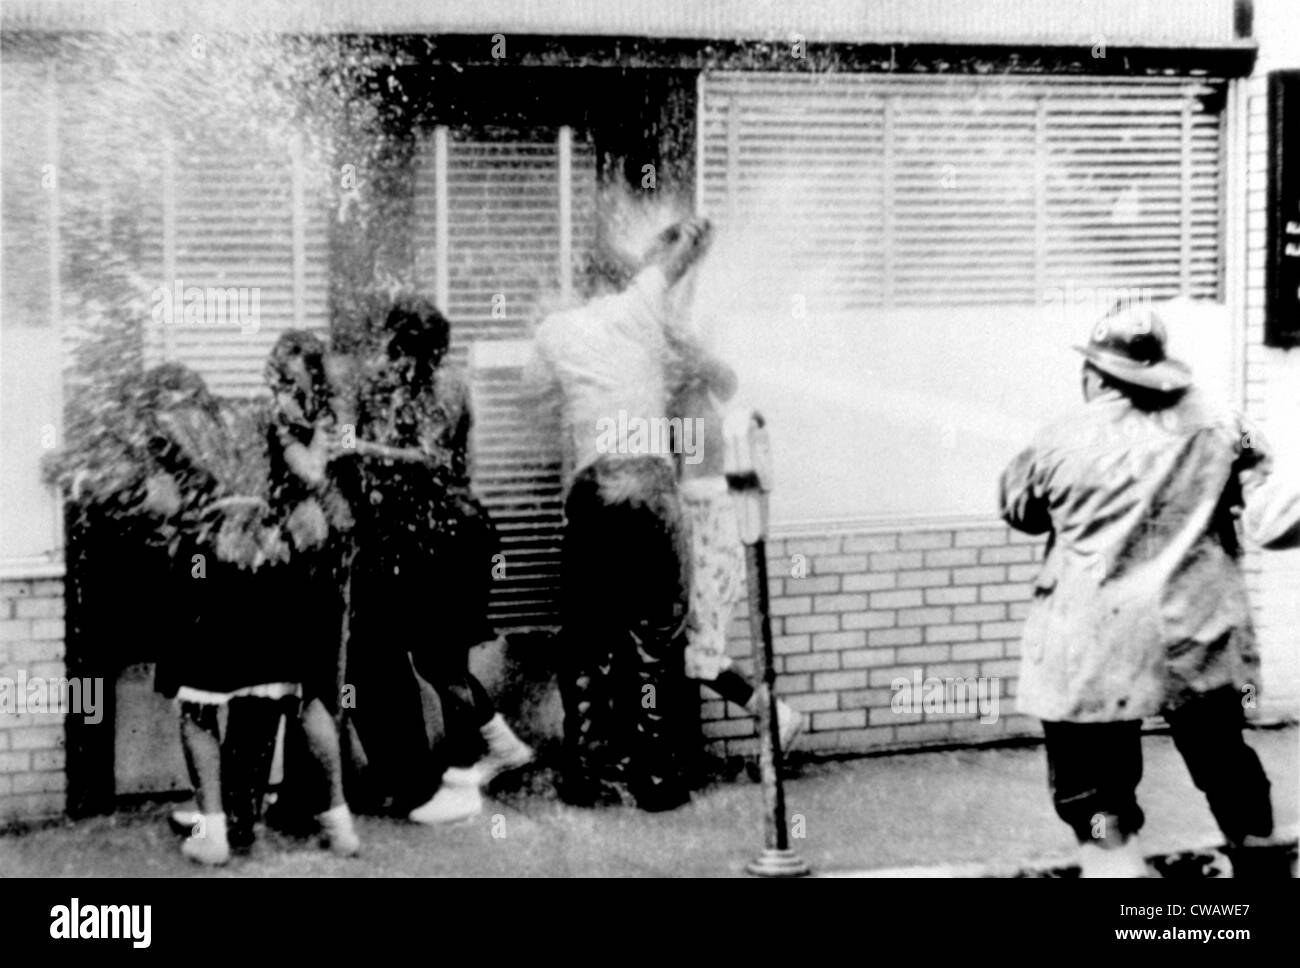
238, 218
502, 259
926, 191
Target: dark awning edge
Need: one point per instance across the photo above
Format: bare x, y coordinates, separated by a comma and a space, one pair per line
1022, 23
647, 53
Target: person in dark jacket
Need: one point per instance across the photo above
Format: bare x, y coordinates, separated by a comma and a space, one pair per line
309, 498
422, 581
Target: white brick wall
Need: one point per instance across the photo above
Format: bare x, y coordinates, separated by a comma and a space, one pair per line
1272, 379
32, 765
870, 608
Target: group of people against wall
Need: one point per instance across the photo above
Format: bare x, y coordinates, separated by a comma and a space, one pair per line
327, 553
329, 560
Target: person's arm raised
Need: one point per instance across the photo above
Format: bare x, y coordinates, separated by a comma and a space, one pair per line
680, 247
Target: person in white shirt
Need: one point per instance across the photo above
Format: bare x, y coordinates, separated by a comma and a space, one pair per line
625, 574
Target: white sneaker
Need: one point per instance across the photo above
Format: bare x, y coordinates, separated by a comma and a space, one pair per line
789, 724
457, 800
340, 835
183, 821
789, 721
207, 844
506, 751
1115, 862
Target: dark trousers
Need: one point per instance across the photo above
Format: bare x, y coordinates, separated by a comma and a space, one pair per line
419, 603
465, 706
247, 750
1094, 768
623, 605
460, 569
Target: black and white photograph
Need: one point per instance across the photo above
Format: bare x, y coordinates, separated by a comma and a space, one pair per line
578, 439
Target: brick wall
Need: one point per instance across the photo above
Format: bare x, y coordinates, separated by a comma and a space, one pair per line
853, 612
1272, 387
32, 780
875, 606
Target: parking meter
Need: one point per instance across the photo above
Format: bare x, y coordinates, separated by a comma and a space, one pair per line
747, 465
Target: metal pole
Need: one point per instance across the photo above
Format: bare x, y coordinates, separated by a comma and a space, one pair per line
748, 470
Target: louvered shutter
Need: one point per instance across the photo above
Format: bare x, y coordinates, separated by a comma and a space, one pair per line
30, 359
917, 253
110, 221
965, 191
501, 217
27, 191
1134, 186
759, 134
517, 472
237, 219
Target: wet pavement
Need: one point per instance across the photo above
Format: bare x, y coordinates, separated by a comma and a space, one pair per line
969, 812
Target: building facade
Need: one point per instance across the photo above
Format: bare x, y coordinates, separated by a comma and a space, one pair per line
921, 207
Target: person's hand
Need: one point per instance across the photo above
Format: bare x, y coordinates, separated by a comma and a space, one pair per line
162, 495
693, 237
308, 463
307, 525
328, 443
696, 232
679, 246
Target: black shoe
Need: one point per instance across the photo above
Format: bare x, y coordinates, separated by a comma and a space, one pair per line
584, 791
1264, 863
658, 796
241, 837
290, 819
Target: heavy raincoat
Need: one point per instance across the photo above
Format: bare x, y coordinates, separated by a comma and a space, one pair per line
1140, 603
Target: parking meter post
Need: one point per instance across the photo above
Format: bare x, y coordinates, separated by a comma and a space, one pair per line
748, 470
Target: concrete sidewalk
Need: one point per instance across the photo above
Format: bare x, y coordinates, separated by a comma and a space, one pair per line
972, 812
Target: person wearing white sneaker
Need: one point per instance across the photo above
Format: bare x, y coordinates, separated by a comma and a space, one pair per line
207, 843
477, 744
233, 650
437, 542
338, 832
1124, 861
460, 797
717, 557
1111, 851
505, 750
307, 496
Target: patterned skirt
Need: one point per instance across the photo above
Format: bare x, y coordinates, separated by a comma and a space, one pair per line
717, 574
